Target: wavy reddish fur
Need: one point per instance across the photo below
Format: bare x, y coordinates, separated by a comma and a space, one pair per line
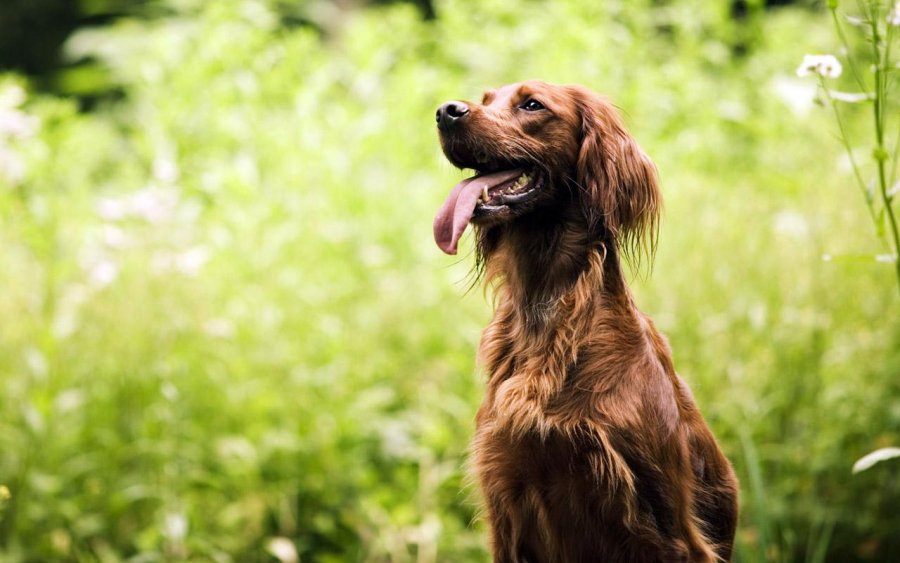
589, 447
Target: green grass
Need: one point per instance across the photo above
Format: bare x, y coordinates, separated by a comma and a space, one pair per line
225, 321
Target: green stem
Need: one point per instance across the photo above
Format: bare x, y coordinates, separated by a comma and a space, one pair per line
840, 31
896, 157
846, 141
889, 42
881, 65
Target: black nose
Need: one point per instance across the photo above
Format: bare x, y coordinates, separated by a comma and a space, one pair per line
450, 114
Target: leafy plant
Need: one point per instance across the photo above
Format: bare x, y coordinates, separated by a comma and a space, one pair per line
873, 71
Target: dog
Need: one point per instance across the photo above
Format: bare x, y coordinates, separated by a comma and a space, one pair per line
588, 446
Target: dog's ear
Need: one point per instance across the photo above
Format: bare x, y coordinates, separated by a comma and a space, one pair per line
618, 181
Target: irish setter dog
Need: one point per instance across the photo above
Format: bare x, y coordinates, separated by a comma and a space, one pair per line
589, 447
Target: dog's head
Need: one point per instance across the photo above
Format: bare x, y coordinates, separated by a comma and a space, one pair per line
538, 147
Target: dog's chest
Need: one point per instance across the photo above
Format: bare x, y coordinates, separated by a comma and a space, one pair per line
530, 385
546, 466
545, 483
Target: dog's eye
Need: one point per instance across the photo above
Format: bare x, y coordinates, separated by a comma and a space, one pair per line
532, 105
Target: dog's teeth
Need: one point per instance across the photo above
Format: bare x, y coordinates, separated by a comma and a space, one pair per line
521, 182
484, 193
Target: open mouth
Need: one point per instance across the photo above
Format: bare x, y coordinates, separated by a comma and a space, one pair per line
482, 197
506, 193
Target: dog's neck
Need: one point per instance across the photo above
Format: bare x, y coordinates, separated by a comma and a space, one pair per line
543, 257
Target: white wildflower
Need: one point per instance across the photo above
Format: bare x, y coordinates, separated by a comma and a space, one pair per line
152, 204
69, 400
165, 168
893, 17
12, 96
192, 260
114, 237
112, 208
219, 328
823, 65
283, 549
246, 167
36, 361
12, 166
175, 526
68, 307
16, 124
791, 224
797, 95
187, 262
169, 391
103, 273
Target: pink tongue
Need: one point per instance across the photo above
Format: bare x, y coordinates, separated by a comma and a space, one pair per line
456, 212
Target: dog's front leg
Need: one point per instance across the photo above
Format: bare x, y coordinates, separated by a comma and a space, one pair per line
508, 539
503, 536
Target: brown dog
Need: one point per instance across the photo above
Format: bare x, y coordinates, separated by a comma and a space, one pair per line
588, 447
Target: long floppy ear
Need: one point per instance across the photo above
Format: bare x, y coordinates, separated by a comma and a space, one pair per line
618, 180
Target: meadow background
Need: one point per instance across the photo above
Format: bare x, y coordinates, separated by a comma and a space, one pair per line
227, 335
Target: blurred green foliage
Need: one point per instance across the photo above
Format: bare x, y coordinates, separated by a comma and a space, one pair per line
227, 334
